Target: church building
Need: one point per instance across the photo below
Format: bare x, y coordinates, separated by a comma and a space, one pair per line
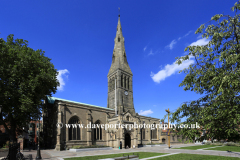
120, 110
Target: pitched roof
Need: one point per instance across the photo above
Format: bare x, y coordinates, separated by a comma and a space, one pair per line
52, 100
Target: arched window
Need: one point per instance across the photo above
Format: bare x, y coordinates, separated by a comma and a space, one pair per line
118, 39
97, 131
128, 118
143, 133
163, 140
74, 130
173, 138
128, 83
125, 81
121, 80
154, 131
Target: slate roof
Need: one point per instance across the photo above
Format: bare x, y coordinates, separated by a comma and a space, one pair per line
52, 100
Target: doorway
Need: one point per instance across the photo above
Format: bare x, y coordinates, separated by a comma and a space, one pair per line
163, 140
127, 140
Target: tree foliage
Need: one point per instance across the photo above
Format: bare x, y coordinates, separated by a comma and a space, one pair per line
215, 75
26, 76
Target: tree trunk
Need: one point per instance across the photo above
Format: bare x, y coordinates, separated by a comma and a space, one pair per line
13, 131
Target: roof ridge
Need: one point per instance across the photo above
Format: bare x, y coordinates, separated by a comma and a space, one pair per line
52, 100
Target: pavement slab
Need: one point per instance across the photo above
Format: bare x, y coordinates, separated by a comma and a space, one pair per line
209, 147
60, 155
44, 155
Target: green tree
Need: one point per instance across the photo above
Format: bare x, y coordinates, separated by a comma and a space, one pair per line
215, 75
26, 76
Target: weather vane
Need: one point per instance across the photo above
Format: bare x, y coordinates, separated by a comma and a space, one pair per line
119, 11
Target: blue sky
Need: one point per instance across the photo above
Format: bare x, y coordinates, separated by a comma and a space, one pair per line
79, 38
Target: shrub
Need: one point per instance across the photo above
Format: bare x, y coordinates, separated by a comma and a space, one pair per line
76, 147
188, 141
232, 144
208, 143
217, 144
238, 144
6, 145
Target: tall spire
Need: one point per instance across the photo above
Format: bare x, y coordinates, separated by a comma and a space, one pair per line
118, 11
119, 58
120, 73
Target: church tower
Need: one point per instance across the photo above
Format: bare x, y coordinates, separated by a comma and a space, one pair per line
122, 74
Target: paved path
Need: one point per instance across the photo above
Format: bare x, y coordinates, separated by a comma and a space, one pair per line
205, 152
162, 149
44, 154
59, 155
209, 147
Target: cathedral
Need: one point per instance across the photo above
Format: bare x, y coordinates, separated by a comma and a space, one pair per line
120, 111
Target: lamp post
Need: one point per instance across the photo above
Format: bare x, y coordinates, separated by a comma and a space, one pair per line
168, 132
38, 150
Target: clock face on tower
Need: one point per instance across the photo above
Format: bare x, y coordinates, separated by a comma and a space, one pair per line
126, 93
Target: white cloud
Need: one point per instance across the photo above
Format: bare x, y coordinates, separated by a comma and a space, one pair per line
187, 34
170, 69
184, 35
144, 49
200, 42
199, 36
147, 112
150, 53
170, 46
61, 78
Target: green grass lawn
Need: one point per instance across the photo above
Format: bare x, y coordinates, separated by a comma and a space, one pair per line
225, 148
141, 155
196, 147
183, 156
